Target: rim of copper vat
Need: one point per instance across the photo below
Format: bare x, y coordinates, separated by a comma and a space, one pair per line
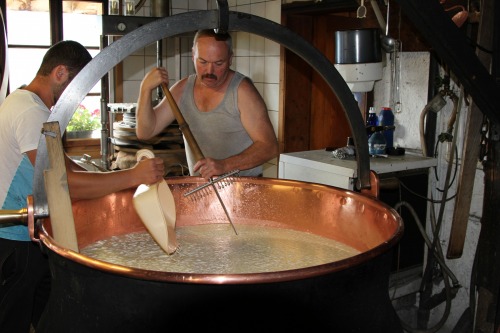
246, 278
222, 20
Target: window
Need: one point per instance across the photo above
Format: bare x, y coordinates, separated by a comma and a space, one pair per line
81, 21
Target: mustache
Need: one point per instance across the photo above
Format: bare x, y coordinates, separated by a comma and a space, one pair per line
209, 76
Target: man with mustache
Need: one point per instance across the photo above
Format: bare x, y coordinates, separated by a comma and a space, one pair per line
224, 111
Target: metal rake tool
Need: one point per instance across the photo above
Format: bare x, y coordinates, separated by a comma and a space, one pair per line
217, 184
221, 182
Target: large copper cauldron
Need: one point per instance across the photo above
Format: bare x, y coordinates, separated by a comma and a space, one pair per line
349, 295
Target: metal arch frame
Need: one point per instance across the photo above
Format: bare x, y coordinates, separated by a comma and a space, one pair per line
4, 64
178, 24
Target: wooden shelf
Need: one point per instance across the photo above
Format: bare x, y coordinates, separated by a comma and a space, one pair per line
79, 147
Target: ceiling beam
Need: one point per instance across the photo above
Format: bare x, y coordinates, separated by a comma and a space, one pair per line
452, 47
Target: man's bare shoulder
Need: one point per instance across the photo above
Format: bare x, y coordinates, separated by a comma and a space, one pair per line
179, 84
247, 86
178, 88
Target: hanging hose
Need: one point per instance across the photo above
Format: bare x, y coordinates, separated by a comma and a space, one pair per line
447, 136
454, 172
435, 246
434, 105
438, 254
446, 273
448, 173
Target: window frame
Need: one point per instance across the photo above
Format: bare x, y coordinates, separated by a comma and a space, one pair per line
56, 34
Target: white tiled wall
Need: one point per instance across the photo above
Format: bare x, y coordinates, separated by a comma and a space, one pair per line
254, 56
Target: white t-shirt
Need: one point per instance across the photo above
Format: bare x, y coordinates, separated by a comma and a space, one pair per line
22, 115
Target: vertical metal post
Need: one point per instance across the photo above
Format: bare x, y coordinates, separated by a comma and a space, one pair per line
105, 133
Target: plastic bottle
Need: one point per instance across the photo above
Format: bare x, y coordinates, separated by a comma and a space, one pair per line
372, 119
376, 144
386, 118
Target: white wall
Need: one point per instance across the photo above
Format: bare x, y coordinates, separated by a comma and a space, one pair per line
414, 80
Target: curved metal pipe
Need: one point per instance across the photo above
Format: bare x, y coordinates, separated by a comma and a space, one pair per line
423, 115
378, 14
434, 105
189, 22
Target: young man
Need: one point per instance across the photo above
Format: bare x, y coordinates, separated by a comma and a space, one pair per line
223, 109
24, 271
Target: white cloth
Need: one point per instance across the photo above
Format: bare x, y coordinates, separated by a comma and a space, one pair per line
22, 115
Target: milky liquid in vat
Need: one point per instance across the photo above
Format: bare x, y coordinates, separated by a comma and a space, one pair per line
215, 249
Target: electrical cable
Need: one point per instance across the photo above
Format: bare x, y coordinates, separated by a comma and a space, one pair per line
435, 246
439, 256
427, 240
448, 175
472, 288
446, 273
444, 137
454, 173
398, 258
425, 197
439, 252
437, 226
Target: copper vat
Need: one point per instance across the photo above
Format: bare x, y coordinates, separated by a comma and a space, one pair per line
349, 295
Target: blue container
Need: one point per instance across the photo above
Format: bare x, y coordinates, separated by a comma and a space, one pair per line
376, 144
386, 118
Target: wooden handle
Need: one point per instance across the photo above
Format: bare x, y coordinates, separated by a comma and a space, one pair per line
183, 126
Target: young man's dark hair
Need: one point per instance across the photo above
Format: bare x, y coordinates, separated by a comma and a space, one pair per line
68, 53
